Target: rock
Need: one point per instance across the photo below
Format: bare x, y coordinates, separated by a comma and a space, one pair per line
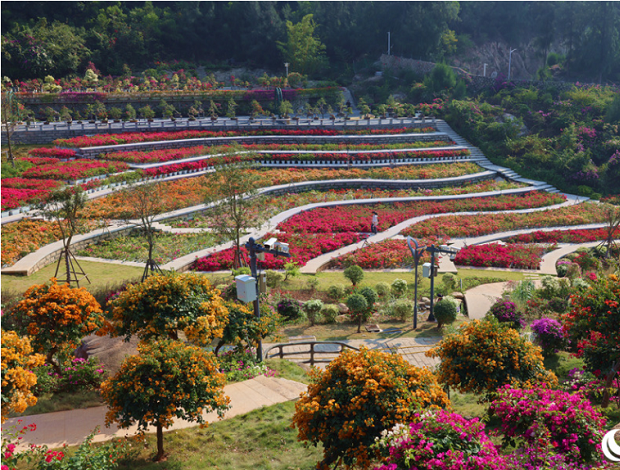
458, 295
343, 308
342, 318
425, 300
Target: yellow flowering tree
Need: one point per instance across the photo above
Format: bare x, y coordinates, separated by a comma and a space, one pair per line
18, 379
244, 328
166, 380
59, 317
359, 394
483, 355
164, 304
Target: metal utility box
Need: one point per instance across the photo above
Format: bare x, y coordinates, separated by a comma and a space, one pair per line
426, 270
246, 288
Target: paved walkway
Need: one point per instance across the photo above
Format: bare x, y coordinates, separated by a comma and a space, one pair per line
70, 427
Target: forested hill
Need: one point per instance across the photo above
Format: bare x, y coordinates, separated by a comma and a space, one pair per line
581, 39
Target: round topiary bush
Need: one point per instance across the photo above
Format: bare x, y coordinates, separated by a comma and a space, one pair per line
355, 274
370, 295
403, 309
360, 394
399, 287
382, 288
313, 308
290, 309
335, 292
445, 312
358, 309
506, 312
330, 312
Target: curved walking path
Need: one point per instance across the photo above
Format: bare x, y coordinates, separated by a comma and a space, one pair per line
317, 263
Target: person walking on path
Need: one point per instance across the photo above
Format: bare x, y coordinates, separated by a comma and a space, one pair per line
374, 225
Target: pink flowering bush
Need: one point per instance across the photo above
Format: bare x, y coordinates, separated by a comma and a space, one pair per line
568, 421
438, 440
560, 236
54, 152
506, 312
75, 169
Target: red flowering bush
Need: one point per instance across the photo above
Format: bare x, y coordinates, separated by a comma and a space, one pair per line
501, 256
75, 169
438, 440
52, 152
560, 236
568, 420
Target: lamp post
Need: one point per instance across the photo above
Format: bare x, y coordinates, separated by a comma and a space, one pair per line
510, 62
417, 253
433, 250
485, 70
271, 246
286, 64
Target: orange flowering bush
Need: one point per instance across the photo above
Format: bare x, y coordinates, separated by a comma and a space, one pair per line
360, 394
163, 304
17, 376
484, 355
167, 379
60, 316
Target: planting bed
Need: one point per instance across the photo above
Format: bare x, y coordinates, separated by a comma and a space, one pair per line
456, 226
561, 236
498, 255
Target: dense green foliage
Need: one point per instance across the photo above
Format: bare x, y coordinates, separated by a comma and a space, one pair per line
60, 38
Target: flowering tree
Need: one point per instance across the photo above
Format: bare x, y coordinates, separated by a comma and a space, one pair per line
232, 190
593, 325
17, 376
484, 355
165, 304
244, 328
357, 396
60, 316
566, 420
167, 379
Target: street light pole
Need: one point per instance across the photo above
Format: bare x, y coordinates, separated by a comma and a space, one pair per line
254, 248
510, 62
286, 64
416, 252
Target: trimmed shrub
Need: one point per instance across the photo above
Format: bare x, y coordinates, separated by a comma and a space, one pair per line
370, 295
335, 292
445, 312
313, 308
330, 312
449, 281
482, 355
382, 288
355, 274
403, 309
399, 287
358, 309
381, 390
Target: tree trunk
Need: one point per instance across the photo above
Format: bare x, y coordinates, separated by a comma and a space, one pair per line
50, 360
160, 443
359, 324
218, 347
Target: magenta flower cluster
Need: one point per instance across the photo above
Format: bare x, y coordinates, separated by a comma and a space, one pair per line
566, 421
506, 312
439, 440
549, 334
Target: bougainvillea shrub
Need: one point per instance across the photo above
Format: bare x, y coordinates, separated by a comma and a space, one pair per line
482, 355
560, 236
567, 420
74, 170
506, 312
549, 335
167, 379
59, 317
593, 326
18, 378
360, 394
164, 304
438, 440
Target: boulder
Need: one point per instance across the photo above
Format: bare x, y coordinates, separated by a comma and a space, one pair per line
343, 308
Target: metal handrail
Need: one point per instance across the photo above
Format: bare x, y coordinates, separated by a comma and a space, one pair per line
281, 353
